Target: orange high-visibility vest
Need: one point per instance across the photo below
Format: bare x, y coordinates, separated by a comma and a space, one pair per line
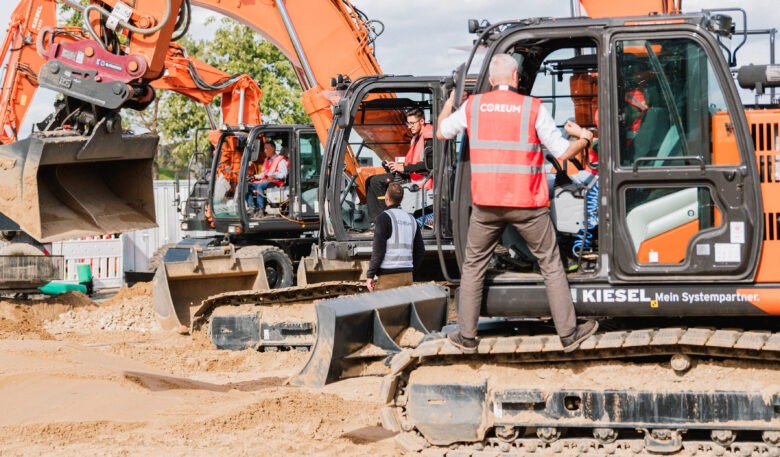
416, 151
507, 163
272, 166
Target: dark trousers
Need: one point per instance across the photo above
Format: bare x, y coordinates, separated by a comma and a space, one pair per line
376, 187
486, 225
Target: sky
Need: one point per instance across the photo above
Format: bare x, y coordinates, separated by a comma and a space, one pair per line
427, 37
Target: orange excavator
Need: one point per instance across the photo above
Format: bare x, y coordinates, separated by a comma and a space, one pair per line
66, 181
81, 174
676, 241
190, 77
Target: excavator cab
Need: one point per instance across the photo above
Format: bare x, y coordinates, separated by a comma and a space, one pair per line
291, 202
373, 116
246, 250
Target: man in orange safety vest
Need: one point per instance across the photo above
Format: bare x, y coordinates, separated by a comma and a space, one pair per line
273, 173
509, 186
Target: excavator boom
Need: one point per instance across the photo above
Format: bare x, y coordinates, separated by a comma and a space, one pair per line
123, 51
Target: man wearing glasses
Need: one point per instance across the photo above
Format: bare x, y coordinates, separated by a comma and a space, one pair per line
412, 169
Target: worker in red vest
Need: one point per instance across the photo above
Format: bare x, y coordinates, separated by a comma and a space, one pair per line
636, 108
413, 169
272, 174
509, 186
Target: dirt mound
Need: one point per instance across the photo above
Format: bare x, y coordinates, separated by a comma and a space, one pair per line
138, 290
70, 299
70, 399
25, 319
130, 309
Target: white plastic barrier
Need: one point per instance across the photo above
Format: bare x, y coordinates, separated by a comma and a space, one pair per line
104, 257
140, 245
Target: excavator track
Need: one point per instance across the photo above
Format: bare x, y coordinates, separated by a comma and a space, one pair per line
268, 319
678, 391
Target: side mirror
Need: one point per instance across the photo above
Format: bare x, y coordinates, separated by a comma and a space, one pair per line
254, 153
428, 154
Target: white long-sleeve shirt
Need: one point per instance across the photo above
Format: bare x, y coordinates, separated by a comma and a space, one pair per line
546, 129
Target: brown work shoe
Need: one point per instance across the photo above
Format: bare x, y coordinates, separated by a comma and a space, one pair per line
467, 345
581, 333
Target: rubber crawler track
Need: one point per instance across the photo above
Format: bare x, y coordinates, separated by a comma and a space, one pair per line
295, 294
726, 344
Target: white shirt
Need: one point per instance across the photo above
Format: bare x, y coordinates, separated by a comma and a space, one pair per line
546, 129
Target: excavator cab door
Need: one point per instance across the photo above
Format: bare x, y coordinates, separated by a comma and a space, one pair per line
683, 198
226, 189
305, 169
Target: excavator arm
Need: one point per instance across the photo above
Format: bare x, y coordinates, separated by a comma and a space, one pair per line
202, 82
64, 202
321, 39
89, 187
22, 61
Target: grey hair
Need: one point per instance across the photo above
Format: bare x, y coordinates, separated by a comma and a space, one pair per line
501, 66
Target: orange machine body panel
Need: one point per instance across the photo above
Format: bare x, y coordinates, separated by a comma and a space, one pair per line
670, 247
609, 8
764, 128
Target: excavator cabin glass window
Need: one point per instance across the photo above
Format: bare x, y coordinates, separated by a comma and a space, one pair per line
672, 106
387, 141
678, 175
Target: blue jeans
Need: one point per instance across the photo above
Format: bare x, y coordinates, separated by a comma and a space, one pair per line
256, 193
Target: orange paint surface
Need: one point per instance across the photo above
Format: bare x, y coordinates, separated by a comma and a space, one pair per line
671, 246
768, 299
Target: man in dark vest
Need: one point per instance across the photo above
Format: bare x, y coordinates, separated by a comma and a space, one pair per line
398, 246
509, 186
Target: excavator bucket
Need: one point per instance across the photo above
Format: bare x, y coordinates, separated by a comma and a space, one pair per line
190, 275
355, 334
312, 270
61, 185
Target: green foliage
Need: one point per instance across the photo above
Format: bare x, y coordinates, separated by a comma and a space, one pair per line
234, 49
70, 16
237, 49
165, 173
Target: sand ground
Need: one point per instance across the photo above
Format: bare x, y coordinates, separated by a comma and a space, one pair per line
78, 377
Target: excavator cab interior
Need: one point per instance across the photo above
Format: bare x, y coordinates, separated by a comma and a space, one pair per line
564, 75
379, 134
238, 162
666, 111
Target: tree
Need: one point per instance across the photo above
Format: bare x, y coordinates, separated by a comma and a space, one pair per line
234, 49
